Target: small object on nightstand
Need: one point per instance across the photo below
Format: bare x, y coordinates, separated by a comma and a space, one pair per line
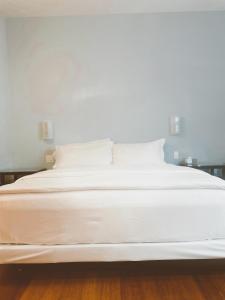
189, 161
10, 176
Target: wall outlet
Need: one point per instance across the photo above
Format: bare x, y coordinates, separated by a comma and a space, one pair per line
49, 158
176, 155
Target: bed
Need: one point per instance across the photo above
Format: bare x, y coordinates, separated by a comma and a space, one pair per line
113, 213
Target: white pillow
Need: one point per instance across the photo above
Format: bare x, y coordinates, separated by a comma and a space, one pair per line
139, 154
84, 154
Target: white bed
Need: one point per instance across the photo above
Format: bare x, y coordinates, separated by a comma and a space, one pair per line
113, 214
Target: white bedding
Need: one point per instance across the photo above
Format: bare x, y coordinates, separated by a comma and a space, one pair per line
152, 177
213, 249
158, 204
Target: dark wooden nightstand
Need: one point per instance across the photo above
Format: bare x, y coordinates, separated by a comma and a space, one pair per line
215, 170
10, 176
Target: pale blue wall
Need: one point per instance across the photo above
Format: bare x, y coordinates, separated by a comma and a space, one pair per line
5, 157
118, 76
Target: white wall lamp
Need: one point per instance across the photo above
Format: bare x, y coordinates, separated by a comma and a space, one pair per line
47, 131
175, 125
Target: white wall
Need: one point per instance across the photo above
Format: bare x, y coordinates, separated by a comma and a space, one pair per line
120, 76
4, 99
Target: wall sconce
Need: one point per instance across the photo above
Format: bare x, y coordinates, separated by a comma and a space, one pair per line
47, 131
175, 125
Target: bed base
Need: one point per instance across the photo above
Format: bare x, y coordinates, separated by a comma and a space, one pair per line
36, 254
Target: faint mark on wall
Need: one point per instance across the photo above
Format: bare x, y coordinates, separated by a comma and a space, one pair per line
52, 78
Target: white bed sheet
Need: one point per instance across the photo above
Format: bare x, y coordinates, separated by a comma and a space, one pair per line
17, 254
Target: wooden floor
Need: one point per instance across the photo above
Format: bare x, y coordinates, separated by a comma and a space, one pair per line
114, 281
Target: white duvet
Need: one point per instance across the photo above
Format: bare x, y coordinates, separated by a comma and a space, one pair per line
113, 205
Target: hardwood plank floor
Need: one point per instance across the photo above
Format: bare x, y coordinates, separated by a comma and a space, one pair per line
183, 280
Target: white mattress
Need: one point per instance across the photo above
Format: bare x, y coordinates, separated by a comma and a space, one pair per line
113, 206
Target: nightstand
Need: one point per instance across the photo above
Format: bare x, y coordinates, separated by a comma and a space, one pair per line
10, 176
215, 170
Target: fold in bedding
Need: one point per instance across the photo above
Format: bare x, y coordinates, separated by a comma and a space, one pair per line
160, 177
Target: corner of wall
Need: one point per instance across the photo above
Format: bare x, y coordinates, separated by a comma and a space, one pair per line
5, 157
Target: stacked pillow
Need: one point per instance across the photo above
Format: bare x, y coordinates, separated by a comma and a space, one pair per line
105, 153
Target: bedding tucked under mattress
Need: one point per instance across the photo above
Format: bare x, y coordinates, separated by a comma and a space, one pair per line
113, 205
